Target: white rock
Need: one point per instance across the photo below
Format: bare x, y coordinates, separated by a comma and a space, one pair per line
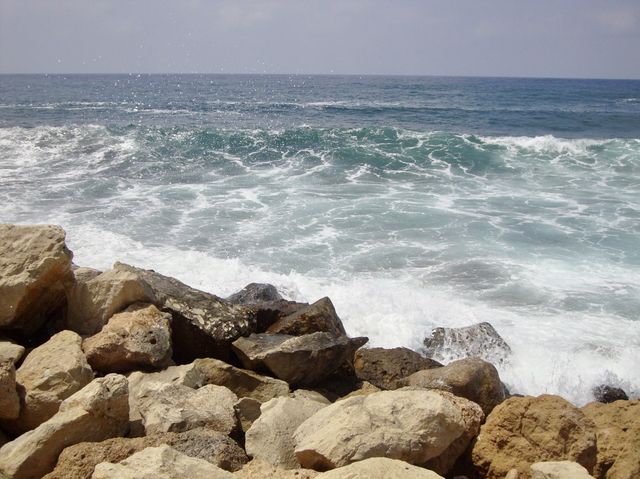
559, 470
380, 468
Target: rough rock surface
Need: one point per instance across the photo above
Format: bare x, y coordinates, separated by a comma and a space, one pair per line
558, 470
162, 462
365, 389
79, 461
204, 325
95, 413
49, 374
258, 469
320, 316
471, 378
416, 426
9, 399
255, 293
35, 272
270, 438
607, 394
480, 340
138, 338
247, 411
170, 407
384, 367
10, 351
379, 468
525, 430
618, 438
303, 360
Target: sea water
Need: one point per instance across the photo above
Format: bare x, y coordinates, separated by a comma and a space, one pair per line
412, 202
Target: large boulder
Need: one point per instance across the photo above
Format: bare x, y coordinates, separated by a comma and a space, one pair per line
169, 407
79, 461
302, 360
9, 399
138, 338
49, 374
204, 325
421, 427
10, 351
95, 413
320, 316
525, 430
162, 462
471, 378
558, 470
270, 437
618, 438
35, 272
384, 367
379, 468
481, 340
258, 469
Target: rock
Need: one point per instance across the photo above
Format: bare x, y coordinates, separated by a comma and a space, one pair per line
162, 462
170, 407
470, 378
302, 360
79, 461
95, 413
607, 394
96, 298
9, 399
3, 438
204, 325
255, 293
10, 351
380, 468
258, 469
559, 470
50, 374
309, 394
384, 367
138, 338
416, 426
525, 430
481, 340
270, 438
320, 316
35, 272
247, 411
512, 474
618, 438
364, 390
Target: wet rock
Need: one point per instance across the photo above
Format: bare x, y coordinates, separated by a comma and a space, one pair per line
525, 430
10, 351
35, 272
471, 378
255, 293
320, 316
384, 367
258, 469
95, 413
480, 340
379, 468
416, 426
303, 360
9, 399
606, 394
138, 338
558, 470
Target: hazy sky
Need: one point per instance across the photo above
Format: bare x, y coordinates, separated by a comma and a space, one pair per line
567, 38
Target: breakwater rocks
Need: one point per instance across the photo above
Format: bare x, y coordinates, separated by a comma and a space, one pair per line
129, 373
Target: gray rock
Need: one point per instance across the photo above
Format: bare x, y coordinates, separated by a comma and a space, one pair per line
320, 316
255, 293
608, 394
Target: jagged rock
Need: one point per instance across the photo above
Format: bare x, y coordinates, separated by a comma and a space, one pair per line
9, 399
162, 462
170, 407
384, 367
258, 469
255, 293
79, 461
138, 338
471, 378
481, 340
558, 470
95, 413
420, 427
607, 394
270, 438
49, 374
303, 360
96, 298
35, 272
247, 411
10, 351
379, 468
82, 273
204, 325
320, 316
525, 430
618, 438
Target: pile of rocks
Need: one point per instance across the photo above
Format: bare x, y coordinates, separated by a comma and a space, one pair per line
129, 373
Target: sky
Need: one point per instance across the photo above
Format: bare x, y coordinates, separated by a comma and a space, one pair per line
526, 38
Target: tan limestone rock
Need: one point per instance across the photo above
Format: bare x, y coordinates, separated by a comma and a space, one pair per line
247, 411
10, 351
9, 399
258, 469
558, 470
379, 468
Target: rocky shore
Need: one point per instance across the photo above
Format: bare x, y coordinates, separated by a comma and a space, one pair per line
127, 373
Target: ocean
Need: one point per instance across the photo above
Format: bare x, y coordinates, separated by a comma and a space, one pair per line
412, 202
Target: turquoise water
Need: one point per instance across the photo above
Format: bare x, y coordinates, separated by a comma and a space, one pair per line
411, 202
